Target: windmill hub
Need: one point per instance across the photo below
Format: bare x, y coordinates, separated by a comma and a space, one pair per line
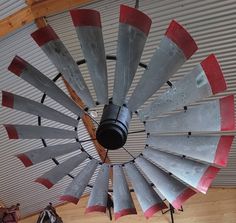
113, 129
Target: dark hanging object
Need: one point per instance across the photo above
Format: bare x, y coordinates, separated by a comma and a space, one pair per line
49, 215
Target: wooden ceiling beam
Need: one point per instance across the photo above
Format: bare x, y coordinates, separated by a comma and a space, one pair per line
36, 9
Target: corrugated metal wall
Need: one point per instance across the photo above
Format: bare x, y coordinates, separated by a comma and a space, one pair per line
211, 23
7, 7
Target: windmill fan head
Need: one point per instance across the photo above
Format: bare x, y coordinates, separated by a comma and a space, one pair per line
179, 143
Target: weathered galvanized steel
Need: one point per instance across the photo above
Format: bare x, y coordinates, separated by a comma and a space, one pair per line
36, 156
213, 116
210, 149
34, 77
148, 199
88, 27
51, 177
203, 81
193, 173
54, 48
123, 202
99, 194
76, 188
175, 48
132, 37
35, 108
173, 190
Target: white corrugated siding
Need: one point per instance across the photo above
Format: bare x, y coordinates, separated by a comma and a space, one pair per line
211, 23
7, 7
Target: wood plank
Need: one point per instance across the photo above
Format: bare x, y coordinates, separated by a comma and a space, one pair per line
217, 206
36, 10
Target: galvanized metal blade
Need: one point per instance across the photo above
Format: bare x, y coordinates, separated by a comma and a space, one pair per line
216, 115
34, 77
51, 177
173, 190
38, 132
134, 27
76, 188
148, 199
204, 80
193, 173
88, 26
209, 149
98, 197
175, 48
53, 47
123, 202
35, 156
35, 108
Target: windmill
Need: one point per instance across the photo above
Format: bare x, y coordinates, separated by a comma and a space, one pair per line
179, 158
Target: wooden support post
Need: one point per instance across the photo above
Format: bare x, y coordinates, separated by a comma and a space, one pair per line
36, 9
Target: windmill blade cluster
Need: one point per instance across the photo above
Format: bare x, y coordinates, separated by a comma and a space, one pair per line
180, 158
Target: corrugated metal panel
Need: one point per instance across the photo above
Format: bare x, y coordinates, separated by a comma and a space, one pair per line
8, 7
17, 183
210, 22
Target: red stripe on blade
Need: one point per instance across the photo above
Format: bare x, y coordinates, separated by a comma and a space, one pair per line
214, 74
44, 35
7, 99
186, 194
207, 178
124, 212
11, 131
25, 160
95, 208
223, 149
181, 38
17, 65
153, 209
227, 113
136, 18
85, 17
45, 182
69, 198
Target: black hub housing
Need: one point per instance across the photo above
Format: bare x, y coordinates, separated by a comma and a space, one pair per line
113, 129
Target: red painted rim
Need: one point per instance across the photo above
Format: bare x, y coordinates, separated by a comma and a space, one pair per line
69, 198
214, 74
153, 209
45, 182
227, 113
25, 160
223, 149
181, 38
207, 178
17, 65
95, 208
182, 197
7, 99
136, 18
11, 131
85, 17
44, 35
124, 212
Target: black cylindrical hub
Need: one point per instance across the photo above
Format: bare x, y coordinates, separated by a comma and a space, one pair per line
113, 129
